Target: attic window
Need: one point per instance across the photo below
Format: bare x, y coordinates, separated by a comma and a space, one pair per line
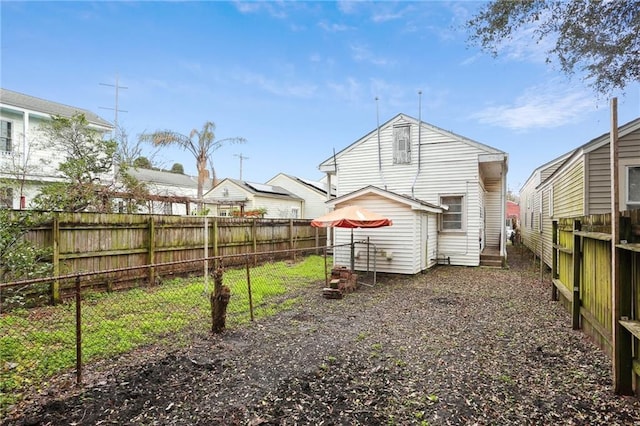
401, 145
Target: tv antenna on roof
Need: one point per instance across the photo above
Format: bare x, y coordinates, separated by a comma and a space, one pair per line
241, 157
116, 110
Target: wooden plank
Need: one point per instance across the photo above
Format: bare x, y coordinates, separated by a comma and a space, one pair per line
577, 264
594, 235
563, 290
555, 248
629, 247
562, 249
593, 321
632, 327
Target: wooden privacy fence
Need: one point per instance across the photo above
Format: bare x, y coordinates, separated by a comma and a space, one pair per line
88, 242
581, 274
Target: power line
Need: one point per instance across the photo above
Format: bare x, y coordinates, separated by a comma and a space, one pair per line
116, 110
241, 157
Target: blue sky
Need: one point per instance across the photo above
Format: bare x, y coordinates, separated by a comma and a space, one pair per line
299, 79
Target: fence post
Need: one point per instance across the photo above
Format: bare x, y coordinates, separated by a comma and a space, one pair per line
78, 333
554, 260
577, 255
152, 257
215, 241
246, 257
55, 285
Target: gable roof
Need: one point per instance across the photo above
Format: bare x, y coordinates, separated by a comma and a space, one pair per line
592, 145
319, 187
414, 203
401, 116
37, 105
261, 189
166, 178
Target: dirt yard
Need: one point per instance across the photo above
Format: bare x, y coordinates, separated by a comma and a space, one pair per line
454, 346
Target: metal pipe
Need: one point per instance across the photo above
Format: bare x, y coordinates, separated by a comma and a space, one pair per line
415, 179
379, 147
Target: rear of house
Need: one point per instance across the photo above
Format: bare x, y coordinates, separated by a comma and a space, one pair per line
463, 182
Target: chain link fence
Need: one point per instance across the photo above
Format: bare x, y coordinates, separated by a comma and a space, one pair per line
91, 324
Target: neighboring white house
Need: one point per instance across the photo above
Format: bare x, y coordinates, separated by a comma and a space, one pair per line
237, 195
171, 193
312, 192
25, 153
442, 188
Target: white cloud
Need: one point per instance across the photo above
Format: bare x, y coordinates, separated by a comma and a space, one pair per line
361, 53
333, 28
350, 90
279, 88
275, 9
543, 106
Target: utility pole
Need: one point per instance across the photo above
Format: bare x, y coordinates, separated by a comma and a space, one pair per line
116, 110
241, 157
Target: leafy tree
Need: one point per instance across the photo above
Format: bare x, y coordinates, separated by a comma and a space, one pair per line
177, 168
143, 163
201, 143
19, 259
87, 172
601, 38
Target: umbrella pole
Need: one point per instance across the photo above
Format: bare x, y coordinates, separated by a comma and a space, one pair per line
352, 252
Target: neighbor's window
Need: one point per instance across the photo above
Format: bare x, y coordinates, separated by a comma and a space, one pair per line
6, 198
633, 186
551, 201
401, 144
295, 213
452, 219
5, 136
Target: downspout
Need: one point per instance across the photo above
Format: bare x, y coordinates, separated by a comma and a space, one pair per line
415, 179
379, 148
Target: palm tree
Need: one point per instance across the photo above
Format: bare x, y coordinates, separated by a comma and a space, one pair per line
200, 143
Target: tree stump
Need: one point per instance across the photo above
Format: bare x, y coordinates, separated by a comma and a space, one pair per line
219, 301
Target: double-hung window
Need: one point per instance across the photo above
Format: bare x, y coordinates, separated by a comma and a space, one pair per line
5, 136
453, 217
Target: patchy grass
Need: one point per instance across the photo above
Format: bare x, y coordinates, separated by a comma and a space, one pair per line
39, 343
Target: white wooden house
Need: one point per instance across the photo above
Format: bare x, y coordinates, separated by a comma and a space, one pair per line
273, 202
458, 185
26, 156
578, 183
170, 193
314, 193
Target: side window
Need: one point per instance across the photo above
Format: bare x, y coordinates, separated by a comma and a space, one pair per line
5, 136
401, 145
551, 201
295, 213
453, 218
633, 187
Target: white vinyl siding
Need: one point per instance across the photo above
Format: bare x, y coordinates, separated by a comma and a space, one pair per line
398, 246
494, 228
448, 166
314, 201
